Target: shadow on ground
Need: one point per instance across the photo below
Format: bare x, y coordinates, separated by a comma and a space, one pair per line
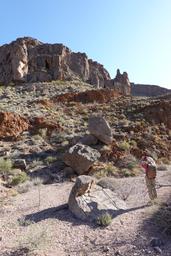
63, 213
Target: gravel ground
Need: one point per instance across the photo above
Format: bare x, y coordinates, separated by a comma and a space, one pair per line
50, 229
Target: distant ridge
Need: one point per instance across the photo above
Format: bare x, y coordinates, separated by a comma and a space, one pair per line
148, 90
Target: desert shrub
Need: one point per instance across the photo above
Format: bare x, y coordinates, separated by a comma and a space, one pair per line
131, 165
108, 170
104, 220
133, 143
24, 188
24, 222
50, 159
165, 160
37, 137
35, 163
5, 166
58, 137
19, 178
124, 145
126, 173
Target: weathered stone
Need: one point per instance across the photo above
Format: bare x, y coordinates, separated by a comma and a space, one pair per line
88, 201
88, 140
68, 172
12, 125
100, 128
20, 163
89, 96
81, 157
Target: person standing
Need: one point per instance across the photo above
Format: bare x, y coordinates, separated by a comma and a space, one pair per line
149, 165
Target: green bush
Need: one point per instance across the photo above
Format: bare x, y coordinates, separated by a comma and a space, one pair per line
5, 166
19, 178
104, 220
50, 159
124, 145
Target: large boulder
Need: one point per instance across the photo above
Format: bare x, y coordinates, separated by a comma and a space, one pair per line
88, 201
81, 157
100, 128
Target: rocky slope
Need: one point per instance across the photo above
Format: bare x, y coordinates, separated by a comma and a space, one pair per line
40, 124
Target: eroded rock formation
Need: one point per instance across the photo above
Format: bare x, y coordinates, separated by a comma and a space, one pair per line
120, 83
28, 60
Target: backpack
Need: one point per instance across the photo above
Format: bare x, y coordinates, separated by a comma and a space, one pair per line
151, 171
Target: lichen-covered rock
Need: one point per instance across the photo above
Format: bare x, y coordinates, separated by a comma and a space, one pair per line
81, 157
100, 128
88, 201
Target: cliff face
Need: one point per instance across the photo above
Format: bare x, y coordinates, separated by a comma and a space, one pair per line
147, 90
28, 60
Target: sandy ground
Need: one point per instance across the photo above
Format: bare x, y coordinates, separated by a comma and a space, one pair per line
52, 231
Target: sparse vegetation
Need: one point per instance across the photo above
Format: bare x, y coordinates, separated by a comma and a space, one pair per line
104, 220
5, 166
124, 145
19, 178
50, 159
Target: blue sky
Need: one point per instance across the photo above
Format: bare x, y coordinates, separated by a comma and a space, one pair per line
133, 35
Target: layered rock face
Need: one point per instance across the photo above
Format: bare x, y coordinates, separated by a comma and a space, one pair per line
120, 83
28, 60
147, 90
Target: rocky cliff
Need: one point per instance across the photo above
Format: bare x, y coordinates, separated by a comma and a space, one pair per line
147, 90
29, 60
120, 83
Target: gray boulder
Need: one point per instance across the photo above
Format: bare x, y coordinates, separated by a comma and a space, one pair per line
100, 128
88, 140
81, 157
88, 201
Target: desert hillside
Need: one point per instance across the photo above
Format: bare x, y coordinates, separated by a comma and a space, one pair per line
71, 141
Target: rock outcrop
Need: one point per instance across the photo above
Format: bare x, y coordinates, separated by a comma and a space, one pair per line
89, 96
100, 128
12, 125
148, 90
88, 201
120, 83
81, 157
28, 60
159, 112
